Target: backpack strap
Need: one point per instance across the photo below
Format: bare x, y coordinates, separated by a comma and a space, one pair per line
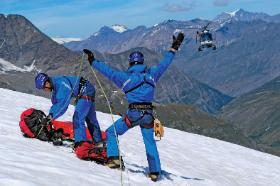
140, 84
82, 84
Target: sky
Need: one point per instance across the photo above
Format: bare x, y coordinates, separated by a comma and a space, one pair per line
81, 18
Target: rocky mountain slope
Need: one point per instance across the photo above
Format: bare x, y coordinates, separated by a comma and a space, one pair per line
25, 45
247, 48
257, 115
249, 61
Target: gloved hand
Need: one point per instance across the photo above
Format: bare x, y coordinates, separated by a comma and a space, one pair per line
177, 41
90, 56
46, 120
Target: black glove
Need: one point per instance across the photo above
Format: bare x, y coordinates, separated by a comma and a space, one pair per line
46, 120
57, 137
177, 41
90, 56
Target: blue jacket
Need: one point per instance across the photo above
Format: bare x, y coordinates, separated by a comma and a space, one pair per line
64, 88
138, 76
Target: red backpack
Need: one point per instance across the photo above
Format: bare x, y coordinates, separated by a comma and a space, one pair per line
31, 127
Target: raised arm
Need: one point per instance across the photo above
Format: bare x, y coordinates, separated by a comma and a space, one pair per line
115, 76
158, 70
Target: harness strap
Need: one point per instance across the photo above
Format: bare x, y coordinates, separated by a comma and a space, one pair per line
136, 87
130, 123
140, 106
81, 84
81, 88
127, 122
149, 82
89, 98
148, 126
139, 85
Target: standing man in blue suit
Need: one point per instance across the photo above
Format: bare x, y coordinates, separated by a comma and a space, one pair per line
64, 88
138, 83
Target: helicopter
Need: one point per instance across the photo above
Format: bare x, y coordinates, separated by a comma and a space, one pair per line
205, 38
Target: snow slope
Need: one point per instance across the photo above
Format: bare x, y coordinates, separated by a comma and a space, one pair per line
6, 66
187, 159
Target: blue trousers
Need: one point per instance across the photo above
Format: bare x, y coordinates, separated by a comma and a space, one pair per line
137, 117
85, 111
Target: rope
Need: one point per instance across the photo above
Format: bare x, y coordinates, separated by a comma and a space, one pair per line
112, 117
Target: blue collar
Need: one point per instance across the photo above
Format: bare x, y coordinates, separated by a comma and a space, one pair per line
137, 68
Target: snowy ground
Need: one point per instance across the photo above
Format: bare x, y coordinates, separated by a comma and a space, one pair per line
187, 159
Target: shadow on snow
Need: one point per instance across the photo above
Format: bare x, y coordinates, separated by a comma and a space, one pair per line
164, 174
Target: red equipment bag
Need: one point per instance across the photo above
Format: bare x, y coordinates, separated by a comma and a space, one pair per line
23, 127
31, 127
87, 151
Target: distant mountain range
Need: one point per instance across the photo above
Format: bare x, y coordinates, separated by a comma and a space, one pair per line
246, 58
157, 38
119, 38
242, 15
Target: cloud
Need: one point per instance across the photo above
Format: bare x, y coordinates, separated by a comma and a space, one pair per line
183, 7
221, 2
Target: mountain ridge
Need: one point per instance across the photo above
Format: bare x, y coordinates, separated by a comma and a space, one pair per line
257, 115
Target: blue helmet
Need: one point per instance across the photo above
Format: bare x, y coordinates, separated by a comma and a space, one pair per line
136, 58
40, 80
